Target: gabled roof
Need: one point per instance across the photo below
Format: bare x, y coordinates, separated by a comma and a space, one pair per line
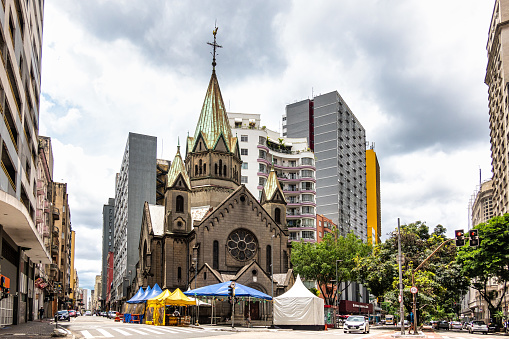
177, 168
157, 218
213, 120
271, 187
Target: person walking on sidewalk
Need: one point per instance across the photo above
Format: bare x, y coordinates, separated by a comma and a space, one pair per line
41, 313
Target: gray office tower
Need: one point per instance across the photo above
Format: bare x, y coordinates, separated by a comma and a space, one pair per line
135, 184
108, 244
339, 142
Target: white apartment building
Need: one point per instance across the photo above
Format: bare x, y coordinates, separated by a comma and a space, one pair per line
294, 163
21, 241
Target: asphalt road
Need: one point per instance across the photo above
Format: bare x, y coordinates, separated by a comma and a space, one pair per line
99, 327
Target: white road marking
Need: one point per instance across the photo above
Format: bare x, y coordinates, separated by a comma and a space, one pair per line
121, 331
138, 331
153, 331
105, 333
86, 334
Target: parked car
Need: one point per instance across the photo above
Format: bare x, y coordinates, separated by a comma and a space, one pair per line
478, 326
88, 313
62, 315
112, 314
356, 323
72, 313
406, 323
455, 325
442, 324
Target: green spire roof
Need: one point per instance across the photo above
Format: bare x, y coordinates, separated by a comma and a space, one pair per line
177, 167
213, 120
272, 185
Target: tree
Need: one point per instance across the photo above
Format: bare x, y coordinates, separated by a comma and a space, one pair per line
489, 262
439, 281
317, 261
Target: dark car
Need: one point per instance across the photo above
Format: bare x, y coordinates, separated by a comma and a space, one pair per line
62, 315
442, 324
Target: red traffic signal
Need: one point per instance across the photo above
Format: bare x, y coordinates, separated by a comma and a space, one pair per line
460, 238
474, 238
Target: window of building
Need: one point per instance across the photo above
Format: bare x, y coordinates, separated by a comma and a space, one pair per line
243, 151
308, 210
277, 215
243, 179
179, 273
179, 204
215, 255
244, 165
269, 259
243, 138
308, 234
261, 140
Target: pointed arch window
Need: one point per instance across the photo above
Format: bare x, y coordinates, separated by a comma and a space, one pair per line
220, 167
195, 169
216, 169
204, 169
269, 258
200, 166
277, 215
179, 204
224, 170
215, 255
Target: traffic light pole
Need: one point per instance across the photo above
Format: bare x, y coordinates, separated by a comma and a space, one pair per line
413, 281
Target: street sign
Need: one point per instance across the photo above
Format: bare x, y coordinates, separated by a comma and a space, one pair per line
413, 289
399, 298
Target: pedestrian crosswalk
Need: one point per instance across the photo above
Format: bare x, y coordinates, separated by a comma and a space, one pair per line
131, 331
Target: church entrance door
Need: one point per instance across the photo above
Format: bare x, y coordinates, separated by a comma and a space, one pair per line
252, 308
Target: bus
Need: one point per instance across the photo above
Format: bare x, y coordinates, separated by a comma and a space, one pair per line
389, 319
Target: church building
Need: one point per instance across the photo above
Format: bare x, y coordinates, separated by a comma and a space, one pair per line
211, 228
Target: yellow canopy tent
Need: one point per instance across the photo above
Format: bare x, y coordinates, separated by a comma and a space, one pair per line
180, 299
154, 313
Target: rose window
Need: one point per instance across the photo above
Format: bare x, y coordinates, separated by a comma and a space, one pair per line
242, 244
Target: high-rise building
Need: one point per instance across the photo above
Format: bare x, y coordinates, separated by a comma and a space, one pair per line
21, 243
293, 162
373, 201
108, 237
135, 185
339, 143
498, 92
324, 226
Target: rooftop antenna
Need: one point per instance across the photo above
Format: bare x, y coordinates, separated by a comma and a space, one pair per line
480, 176
214, 45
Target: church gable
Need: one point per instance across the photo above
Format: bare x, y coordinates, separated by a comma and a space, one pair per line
220, 145
180, 183
200, 145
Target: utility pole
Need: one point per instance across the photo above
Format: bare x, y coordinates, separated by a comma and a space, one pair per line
401, 305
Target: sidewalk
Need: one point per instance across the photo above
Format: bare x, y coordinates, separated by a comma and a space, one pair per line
31, 329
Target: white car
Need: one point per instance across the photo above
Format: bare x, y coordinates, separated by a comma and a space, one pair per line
356, 323
478, 326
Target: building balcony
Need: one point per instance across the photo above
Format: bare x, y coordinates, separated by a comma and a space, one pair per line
39, 216
53, 267
54, 249
18, 224
56, 231
56, 213
47, 207
41, 189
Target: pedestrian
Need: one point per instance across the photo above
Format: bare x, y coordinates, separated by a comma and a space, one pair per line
41, 313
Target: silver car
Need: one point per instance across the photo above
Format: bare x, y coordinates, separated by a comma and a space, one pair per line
478, 326
356, 323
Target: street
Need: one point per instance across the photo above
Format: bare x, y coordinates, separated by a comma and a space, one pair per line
99, 327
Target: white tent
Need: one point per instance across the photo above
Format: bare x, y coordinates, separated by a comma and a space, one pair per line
298, 307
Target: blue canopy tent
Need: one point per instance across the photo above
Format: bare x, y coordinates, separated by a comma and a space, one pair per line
136, 297
156, 290
221, 290
131, 307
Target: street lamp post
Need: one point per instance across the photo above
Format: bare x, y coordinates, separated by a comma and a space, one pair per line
337, 296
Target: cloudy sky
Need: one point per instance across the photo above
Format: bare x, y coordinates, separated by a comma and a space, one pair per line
412, 72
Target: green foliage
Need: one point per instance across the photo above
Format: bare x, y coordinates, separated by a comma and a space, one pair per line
315, 291
489, 261
439, 280
317, 261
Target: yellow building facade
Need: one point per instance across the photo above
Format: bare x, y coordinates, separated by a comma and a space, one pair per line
374, 210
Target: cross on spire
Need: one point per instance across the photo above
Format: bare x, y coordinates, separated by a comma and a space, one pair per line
214, 45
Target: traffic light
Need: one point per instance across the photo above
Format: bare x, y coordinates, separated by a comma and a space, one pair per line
474, 238
230, 291
460, 238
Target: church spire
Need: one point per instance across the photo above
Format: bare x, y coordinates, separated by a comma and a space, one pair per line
271, 187
213, 120
177, 168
